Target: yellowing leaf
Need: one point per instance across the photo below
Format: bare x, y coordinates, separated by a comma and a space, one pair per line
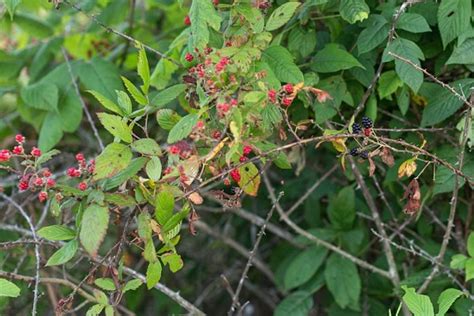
249, 179
216, 150
407, 168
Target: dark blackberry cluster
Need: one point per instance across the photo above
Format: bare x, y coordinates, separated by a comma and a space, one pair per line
354, 152
364, 155
356, 129
367, 122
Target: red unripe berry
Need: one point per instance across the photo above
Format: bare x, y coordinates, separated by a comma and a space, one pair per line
5, 155
82, 186
36, 152
187, 20
226, 182
23, 185
173, 149
39, 182
47, 173
288, 88
367, 131
223, 107
200, 124
272, 95
167, 170
42, 196
20, 139
242, 159
18, 150
235, 174
233, 102
50, 183
216, 134
73, 172
189, 57
216, 2
247, 150
80, 157
287, 101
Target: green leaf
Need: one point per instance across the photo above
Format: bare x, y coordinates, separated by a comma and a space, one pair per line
119, 199
202, 14
41, 95
173, 260
343, 281
281, 63
33, 25
442, 104
446, 299
354, 10
153, 168
164, 206
11, 6
116, 126
453, 19
95, 310
100, 75
131, 170
341, 209
167, 118
388, 84
105, 284
112, 160
249, 179
95, 222
63, 254
124, 102
51, 131
463, 53
469, 269
56, 232
132, 285
134, 92
281, 15
46, 157
106, 103
303, 266
333, 58
144, 228
271, 115
413, 22
296, 304
419, 305
183, 128
166, 96
458, 261
146, 146
374, 34
470, 245
153, 274
143, 69
8, 289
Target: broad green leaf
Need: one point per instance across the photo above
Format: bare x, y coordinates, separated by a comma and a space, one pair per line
442, 104
8, 289
33, 25
51, 131
124, 102
374, 34
470, 245
45, 157
453, 19
298, 303
119, 199
143, 69
458, 261
153, 168
164, 206
183, 128
303, 266
144, 228
153, 274
282, 64
167, 118
388, 84
418, 304
105, 284
146, 146
354, 10
463, 54
63, 254
131, 170
112, 160
100, 75
202, 14
175, 220
11, 6
271, 115
249, 179
95, 222
173, 260
413, 22
333, 58
132, 285
56, 232
341, 209
134, 92
95, 310
469, 269
166, 96
281, 15
116, 126
41, 95
343, 281
446, 300
106, 103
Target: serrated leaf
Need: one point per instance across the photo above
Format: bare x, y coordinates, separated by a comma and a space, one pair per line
388, 84
446, 300
373, 35
95, 222
41, 95
134, 92
303, 266
173, 260
463, 54
153, 168
124, 102
132, 285
164, 206
341, 209
413, 22
354, 10
8, 289
106, 103
56, 232
249, 179
11, 6
146, 146
63, 254
282, 64
167, 118
131, 170
453, 19
46, 157
105, 284
343, 281
281, 15
143, 69
153, 274
333, 58
202, 14
166, 96
115, 158
115, 125
458, 261
418, 304
183, 128
298, 303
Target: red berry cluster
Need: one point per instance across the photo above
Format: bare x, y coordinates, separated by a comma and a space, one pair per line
181, 148
246, 151
285, 96
83, 169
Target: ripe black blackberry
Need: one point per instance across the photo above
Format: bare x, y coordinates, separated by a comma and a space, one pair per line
356, 129
367, 122
354, 152
364, 155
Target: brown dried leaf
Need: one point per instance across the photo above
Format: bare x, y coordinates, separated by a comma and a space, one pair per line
195, 198
413, 195
387, 157
371, 166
